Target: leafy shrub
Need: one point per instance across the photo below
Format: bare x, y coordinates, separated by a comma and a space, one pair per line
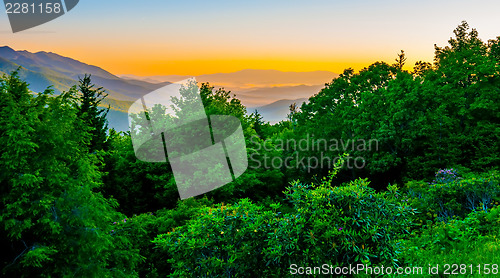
340, 225
222, 240
450, 195
335, 225
445, 176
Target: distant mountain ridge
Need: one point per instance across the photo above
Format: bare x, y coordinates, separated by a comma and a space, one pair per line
252, 78
248, 78
270, 91
257, 88
41, 69
278, 110
57, 63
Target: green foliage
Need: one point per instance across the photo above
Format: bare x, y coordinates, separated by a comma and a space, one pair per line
220, 102
341, 225
471, 241
442, 114
151, 186
221, 240
91, 115
53, 220
450, 195
138, 186
335, 225
460, 223
143, 228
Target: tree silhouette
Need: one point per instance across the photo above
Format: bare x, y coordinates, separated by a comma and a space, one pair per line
93, 116
400, 60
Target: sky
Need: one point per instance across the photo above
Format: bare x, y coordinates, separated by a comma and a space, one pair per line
163, 37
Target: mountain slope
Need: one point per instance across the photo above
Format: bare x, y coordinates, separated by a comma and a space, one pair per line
38, 81
263, 96
52, 63
252, 78
278, 110
44, 68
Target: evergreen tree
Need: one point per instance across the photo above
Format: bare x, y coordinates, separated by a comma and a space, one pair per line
92, 115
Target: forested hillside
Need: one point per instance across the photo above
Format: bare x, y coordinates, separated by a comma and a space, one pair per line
384, 167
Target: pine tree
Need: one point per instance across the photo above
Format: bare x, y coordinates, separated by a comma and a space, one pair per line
91, 114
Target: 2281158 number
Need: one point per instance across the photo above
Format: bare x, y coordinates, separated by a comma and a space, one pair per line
454, 269
27, 8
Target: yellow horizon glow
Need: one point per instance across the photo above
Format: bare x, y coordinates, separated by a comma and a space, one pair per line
206, 66
195, 67
120, 61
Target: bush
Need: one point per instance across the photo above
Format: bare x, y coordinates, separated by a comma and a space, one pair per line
334, 225
340, 225
450, 195
222, 240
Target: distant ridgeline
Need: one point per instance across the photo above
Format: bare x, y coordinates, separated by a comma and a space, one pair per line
45, 69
